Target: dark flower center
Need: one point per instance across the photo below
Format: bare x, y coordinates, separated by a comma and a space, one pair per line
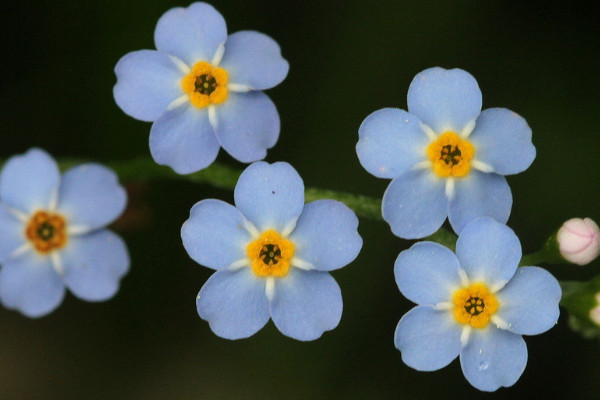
205, 84
451, 155
270, 254
474, 305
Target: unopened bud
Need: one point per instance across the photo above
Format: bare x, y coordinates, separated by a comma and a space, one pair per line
579, 241
595, 312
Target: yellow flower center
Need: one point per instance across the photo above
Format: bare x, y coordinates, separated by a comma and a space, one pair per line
46, 231
270, 254
205, 84
474, 305
450, 155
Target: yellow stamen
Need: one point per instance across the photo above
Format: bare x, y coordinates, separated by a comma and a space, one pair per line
450, 155
270, 254
474, 305
205, 84
46, 231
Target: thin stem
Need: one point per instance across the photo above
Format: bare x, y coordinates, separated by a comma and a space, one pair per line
224, 177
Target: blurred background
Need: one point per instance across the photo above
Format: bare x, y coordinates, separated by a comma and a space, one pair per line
348, 59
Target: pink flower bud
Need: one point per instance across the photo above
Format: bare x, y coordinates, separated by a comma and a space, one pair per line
579, 240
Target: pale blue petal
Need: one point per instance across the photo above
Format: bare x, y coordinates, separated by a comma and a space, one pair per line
147, 81
428, 339
444, 99
90, 196
271, 196
94, 265
234, 303
29, 181
415, 204
391, 141
30, 285
529, 302
306, 304
214, 235
502, 139
191, 34
247, 125
488, 251
11, 231
183, 139
254, 59
477, 195
493, 358
427, 273
326, 235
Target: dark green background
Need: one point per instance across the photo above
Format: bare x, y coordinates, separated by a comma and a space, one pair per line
348, 59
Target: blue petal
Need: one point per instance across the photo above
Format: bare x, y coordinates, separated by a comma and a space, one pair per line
529, 302
254, 59
427, 273
214, 235
502, 139
147, 81
326, 235
428, 339
30, 285
247, 125
11, 232
488, 251
493, 358
271, 196
90, 196
29, 181
183, 139
391, 141
191, 34
415, 204
306, 304
234, 303
94, 264
445, 100
477, 195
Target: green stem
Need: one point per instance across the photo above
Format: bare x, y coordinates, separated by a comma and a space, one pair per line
224, 177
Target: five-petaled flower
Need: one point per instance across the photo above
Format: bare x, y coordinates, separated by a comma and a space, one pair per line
445, 156
272, 255
53, 235
474, 303
202, 89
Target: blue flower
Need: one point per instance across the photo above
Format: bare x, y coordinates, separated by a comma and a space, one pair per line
445, 156
52, 233
272, 255
202, 89
475, 304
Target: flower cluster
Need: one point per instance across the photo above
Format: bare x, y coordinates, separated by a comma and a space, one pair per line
202, 89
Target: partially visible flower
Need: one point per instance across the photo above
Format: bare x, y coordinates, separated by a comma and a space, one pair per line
52, 233
202, 89
475, 304
579, 240
445, 156
595, 312
272, 255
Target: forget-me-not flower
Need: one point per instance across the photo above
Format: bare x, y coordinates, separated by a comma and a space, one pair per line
272, 254
445, 156
475, 304
52, 233
202, 89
